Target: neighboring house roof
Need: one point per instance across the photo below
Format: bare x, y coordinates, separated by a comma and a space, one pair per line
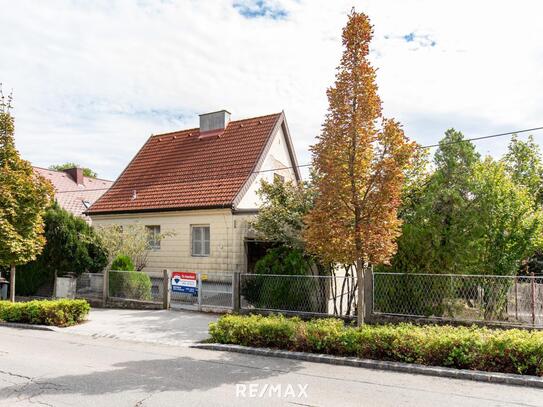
72, 196
192, 170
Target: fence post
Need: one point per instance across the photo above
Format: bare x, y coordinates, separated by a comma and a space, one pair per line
236, 291
533, 298
516, 298
199, 291
368, 295
165, 289
105, 285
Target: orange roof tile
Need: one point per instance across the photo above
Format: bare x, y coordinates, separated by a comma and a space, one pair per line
184, 169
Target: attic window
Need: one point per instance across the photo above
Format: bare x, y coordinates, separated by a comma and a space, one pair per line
278, 177
86, 204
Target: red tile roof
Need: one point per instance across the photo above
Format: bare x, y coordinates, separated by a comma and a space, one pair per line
185, 169
72, 196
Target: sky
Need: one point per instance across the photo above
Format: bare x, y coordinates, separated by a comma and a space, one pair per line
92, 80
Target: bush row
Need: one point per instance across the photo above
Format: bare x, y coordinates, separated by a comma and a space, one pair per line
55, 312
508, 351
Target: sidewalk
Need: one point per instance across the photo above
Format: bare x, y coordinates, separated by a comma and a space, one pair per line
180, 328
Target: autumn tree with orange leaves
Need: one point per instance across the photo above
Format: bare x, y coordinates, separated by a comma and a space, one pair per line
359, 162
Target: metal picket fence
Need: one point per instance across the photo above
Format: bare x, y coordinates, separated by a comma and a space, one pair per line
299, 294
507, 300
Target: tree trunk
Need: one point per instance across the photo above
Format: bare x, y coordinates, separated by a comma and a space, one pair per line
360, 289
12, 283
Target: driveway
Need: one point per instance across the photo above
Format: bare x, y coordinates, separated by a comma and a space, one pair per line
179, 328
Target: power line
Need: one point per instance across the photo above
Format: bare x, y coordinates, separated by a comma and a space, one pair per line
509, 133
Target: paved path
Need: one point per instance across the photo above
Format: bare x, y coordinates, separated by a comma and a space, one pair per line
62, 369
165, 327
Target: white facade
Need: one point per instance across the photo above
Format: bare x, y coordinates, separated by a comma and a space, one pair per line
277, 157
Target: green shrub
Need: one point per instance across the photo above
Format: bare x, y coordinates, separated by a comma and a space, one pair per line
122, 263
56, 312
508, 351
289, 293
134, 285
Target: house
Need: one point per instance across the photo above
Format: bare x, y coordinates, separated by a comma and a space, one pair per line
200, 185
74, 191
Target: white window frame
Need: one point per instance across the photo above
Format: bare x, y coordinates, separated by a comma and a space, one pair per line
154, 243
202, 242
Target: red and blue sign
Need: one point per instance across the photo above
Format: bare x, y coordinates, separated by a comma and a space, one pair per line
184, 282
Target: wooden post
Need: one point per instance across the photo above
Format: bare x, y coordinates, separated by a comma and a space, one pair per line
368, 295
533, 298
166, 295
236, 304
12, 283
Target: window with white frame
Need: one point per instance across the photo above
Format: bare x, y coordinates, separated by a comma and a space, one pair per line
200, 240
154, 236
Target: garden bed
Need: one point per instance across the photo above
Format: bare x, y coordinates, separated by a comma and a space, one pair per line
47, 312
506, 351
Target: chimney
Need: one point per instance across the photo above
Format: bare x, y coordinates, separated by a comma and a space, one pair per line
76, 174
213, 124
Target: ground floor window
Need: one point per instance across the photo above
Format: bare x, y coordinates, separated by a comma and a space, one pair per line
154, 236
200, 240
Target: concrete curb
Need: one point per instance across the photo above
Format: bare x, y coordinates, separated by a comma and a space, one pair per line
476, 375
26, 326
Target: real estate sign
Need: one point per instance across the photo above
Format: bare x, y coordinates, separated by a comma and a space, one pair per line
184, 282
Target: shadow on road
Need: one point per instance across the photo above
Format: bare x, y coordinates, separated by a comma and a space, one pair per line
157, 375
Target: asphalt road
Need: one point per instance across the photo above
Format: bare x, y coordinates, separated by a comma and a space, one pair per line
67, 369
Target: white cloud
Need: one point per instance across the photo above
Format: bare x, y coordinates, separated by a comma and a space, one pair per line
93, 80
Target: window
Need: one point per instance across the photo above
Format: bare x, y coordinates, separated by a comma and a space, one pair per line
278, 177
200, 241
154, 236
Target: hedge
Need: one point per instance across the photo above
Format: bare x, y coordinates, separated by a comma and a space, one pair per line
55, 312
134, 285
508, 351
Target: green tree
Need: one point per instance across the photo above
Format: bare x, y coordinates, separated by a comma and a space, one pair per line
87, 172
436, 215
506, 226
281, 215
24, 197
72, 247
523, 161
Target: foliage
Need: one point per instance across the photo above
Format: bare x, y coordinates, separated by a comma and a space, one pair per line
507, 351
87, 172
130, 240
359, 166
24, 196
72, 247
56, 312
468, 217
271, 292
123, 263
280, 218
133, 285
523, 161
